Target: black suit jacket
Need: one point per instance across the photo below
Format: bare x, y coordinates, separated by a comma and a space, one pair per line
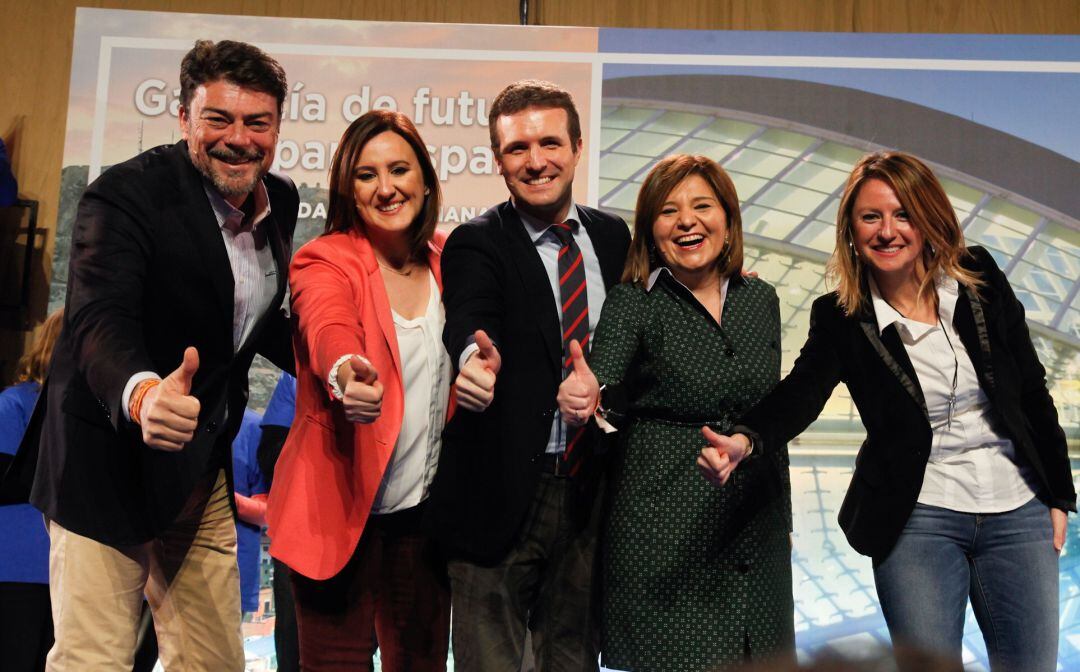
493, 279
149, 276
884, 387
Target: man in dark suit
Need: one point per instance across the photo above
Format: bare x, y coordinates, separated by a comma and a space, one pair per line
177, 276
515, 498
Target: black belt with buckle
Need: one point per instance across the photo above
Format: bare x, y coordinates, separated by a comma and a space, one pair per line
554, 464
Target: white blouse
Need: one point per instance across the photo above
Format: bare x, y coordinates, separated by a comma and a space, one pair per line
972, 468
426, 380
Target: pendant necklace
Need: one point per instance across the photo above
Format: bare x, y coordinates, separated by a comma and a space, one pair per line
951, 399
955, 374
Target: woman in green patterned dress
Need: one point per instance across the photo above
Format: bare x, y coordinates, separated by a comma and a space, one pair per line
694, 577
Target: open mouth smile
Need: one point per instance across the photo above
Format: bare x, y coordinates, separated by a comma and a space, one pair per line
691, 241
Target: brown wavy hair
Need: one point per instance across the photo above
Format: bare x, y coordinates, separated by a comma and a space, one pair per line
341, 212
35, 363
929, 211
667, 174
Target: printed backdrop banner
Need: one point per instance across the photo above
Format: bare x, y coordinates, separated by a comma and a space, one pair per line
786, 114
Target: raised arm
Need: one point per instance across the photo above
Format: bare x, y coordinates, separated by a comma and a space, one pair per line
324, 302
473, 297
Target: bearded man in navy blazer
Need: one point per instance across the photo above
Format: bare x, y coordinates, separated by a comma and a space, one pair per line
515, 499
177, 276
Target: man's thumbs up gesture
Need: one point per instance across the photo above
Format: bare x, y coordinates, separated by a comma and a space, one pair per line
579, 391
168, 414
475, 383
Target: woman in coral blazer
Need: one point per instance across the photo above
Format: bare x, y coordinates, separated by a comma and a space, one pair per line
373, 387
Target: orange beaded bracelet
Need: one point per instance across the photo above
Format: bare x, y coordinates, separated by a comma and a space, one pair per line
135, 405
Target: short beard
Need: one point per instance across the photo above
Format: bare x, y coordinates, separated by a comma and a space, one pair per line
224, 185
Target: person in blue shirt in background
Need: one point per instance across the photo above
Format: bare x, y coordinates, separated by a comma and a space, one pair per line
9, 188
275, 427
26, 630
250, 490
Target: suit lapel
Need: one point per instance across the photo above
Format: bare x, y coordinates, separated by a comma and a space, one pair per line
970, 322
890, 349
534, 277
376, 292
198, 216
605, 253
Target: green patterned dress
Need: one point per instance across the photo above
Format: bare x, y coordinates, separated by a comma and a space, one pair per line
695, 577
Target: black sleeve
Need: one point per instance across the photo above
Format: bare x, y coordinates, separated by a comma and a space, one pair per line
797, 400
275, 342
269, 450
110, 252
472, 289
1036, 403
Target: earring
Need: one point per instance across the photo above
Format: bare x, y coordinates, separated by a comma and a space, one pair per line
427, 191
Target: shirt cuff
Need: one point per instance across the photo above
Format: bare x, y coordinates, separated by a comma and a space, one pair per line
125, 398
470, 348
335, 389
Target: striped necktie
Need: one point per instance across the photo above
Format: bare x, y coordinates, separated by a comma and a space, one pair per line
575, 322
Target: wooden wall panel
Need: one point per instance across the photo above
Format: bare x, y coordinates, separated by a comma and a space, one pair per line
874, 16
35, 55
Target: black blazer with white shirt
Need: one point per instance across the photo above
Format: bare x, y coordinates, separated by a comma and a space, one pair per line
494, 279
149, 276
879, 375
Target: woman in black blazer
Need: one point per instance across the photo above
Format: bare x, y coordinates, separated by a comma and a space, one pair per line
962, 485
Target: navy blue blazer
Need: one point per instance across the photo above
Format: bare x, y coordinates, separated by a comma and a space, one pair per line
493, 279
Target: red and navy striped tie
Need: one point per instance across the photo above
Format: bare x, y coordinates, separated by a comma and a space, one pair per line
575, 323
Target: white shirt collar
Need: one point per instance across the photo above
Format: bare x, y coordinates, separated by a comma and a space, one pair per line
947, 292
655, 275
536, 228
224, 211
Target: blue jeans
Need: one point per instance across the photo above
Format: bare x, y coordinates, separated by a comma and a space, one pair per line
1005, 562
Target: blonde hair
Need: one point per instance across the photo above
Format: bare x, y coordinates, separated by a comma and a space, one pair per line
668, 173
928, 210
35, 363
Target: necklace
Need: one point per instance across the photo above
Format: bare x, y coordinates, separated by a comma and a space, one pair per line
396, 271
951, 399
955, 374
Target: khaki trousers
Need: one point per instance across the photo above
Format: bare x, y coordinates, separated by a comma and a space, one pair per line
189, 576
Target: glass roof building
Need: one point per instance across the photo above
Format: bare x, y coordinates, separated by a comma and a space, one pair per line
790, 176
789, 161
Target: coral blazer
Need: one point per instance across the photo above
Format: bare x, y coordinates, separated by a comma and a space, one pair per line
330, 469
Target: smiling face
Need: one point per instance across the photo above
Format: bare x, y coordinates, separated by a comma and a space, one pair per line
690, 230
231, 133
388, 186
537, 160
884, 237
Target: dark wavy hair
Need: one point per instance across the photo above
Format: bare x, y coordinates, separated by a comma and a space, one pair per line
235, 62
341, 212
